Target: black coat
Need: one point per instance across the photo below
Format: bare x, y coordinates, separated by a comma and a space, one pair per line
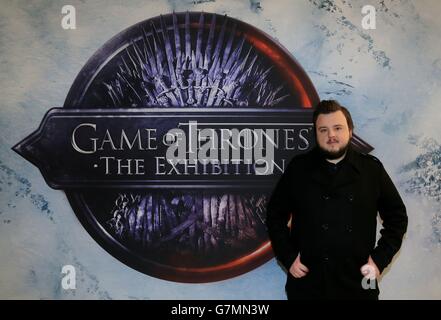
334, 222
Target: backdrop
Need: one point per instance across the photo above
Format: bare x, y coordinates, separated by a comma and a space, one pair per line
389, 78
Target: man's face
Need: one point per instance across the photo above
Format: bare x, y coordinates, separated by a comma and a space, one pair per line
333, 134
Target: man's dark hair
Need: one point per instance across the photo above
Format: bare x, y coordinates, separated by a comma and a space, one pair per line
330, 106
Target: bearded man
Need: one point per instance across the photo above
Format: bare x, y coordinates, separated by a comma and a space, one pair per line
332, 195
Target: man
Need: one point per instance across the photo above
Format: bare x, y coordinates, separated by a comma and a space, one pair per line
332, 195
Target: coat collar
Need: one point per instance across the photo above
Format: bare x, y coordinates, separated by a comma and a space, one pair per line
353, 158
320, 174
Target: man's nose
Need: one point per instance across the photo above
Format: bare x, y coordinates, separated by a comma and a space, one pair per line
331, 133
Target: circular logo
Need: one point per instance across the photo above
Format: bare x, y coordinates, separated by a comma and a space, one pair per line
181, 62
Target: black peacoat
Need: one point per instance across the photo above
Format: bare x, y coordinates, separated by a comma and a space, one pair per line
334, 223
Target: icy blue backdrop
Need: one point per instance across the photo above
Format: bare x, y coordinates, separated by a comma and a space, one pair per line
390, 78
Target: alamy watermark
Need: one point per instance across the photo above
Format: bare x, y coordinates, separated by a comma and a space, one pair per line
69, 20
369, 280
369, 14
68, 282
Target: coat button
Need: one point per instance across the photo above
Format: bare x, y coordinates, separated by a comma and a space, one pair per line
325, 258
325, 226
351, 198
349, 229
326, 197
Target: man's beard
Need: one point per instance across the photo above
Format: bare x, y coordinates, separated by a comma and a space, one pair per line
332, 155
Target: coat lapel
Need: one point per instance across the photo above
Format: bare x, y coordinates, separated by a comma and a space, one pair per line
321, 176
351, 171
318, 172
347, 175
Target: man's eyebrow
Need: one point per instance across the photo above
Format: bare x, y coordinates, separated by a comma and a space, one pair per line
335, 125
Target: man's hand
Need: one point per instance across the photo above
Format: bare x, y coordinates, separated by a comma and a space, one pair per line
370, 269
298, 270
